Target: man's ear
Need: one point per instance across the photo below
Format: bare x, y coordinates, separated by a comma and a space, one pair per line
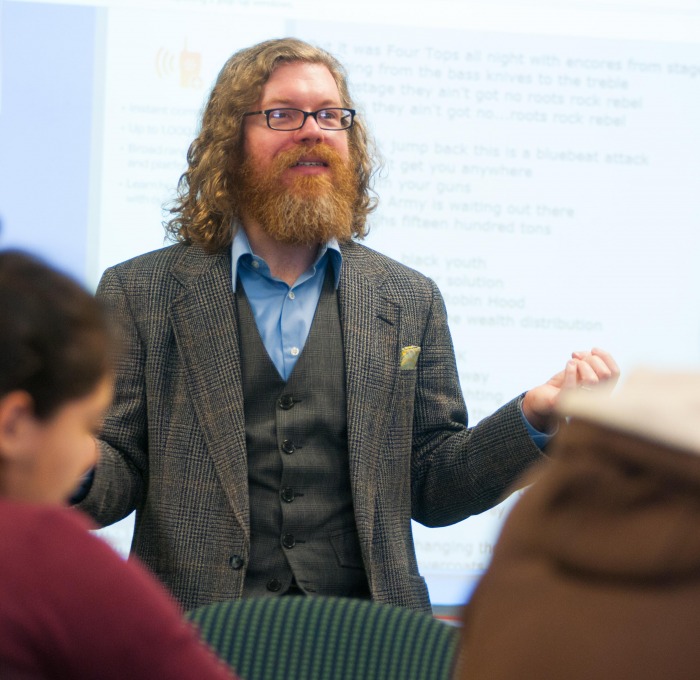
17, 424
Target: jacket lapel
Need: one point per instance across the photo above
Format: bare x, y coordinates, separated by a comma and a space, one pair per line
206, 333
370, 324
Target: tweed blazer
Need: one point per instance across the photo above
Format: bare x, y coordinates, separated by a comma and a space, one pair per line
173, 445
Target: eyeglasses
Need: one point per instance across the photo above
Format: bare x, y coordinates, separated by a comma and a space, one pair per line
294, 119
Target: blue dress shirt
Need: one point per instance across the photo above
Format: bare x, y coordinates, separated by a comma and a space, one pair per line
283, 313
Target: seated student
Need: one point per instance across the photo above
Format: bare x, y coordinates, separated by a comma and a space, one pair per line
596, 573
70, 607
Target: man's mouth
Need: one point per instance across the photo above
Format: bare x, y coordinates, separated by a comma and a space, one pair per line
310, 164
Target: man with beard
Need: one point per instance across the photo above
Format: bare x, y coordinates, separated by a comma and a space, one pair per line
290, 399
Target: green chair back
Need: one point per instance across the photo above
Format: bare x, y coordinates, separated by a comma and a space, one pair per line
319, 638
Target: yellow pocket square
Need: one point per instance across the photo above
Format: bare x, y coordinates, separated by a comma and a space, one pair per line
409, 357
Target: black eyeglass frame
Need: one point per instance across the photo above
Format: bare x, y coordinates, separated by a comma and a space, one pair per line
313, 114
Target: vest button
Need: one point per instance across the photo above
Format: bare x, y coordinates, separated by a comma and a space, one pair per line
286, 401
288, 541
288, 446
273, 585
236, 562
288, 494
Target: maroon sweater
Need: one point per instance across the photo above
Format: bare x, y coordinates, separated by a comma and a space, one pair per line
71, 608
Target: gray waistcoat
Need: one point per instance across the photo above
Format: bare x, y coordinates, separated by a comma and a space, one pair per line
301, 514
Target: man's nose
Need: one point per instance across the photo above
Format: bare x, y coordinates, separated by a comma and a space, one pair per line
309, 131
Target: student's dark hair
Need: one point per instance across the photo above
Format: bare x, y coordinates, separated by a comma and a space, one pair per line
54, 341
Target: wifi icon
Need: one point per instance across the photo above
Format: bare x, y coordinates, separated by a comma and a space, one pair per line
165, 63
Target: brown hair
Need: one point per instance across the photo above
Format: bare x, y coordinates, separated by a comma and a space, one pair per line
207, 201
54, 340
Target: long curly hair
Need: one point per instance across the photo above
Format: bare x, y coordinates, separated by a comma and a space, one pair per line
207, 201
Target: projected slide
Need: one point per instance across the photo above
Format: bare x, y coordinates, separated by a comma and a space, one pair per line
542, 169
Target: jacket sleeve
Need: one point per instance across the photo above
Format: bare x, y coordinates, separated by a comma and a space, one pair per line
457, 471
119, 480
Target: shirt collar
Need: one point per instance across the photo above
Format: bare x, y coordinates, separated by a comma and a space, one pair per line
240, 247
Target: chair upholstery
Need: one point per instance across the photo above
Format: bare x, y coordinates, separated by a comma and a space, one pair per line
325, 637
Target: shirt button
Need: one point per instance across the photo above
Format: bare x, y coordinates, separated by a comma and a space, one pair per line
255, 264
291, 295
287, 495
288, 541
236, 562
273, 585
286, 401
288, 446
294, 351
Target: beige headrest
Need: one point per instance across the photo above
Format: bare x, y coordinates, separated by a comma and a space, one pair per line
652, 404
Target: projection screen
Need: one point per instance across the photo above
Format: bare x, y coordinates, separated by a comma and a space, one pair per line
541, 165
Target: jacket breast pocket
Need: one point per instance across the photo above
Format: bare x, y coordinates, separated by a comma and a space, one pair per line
405, 395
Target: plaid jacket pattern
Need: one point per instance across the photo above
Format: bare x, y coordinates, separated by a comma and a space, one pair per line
173, 444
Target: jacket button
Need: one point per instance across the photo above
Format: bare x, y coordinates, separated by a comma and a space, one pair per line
273, 585
288, 541
288, 494
288, 446
236, 561
286, 401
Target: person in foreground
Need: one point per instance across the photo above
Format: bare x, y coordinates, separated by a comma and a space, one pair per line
596, 573
70, 607
290, 400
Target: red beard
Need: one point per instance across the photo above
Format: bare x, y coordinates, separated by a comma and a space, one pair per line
310, 209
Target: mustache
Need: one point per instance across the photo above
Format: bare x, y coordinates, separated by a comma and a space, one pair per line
322, 152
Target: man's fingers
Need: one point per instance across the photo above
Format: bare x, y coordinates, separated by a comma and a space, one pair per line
570, 373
